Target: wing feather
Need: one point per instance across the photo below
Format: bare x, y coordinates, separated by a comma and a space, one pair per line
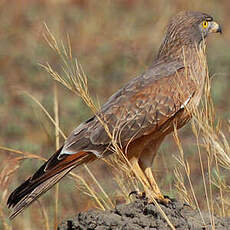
143, 104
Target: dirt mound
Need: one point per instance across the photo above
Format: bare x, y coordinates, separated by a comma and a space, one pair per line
142, 215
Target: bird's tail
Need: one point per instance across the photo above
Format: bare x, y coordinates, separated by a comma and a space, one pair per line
46, 176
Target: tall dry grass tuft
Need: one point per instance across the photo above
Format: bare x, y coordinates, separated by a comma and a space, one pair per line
213, 152
56, 114
74, 78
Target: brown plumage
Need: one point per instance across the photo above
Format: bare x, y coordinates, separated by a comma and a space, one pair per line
140, 114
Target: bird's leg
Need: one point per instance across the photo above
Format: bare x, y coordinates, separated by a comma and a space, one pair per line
151, 179
133, 153
134, 161
139, 173
141, 156
146, 161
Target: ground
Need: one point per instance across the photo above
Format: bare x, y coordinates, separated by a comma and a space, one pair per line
142, 215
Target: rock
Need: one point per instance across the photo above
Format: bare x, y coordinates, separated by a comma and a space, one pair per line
142, 215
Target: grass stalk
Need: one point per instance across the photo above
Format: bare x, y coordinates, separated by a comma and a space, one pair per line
56, 115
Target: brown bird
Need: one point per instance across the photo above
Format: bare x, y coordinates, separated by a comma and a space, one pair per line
140, 114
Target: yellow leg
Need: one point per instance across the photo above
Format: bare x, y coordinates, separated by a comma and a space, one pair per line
152, 181
146, 161
138, 171
141, 156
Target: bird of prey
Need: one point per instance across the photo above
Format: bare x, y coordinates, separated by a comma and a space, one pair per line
140, 114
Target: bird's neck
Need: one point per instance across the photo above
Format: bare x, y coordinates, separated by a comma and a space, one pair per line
176, 50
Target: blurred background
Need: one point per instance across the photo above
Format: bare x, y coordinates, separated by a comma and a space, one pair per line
114, 41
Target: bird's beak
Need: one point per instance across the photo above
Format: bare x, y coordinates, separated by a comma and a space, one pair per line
215, 27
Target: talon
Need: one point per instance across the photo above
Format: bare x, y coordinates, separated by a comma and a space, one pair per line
160, 199
133, 193
165, 200
187, 205
139, 195
171, 199
142, 195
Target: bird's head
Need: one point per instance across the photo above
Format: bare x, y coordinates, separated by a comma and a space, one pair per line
186, 28
192, 25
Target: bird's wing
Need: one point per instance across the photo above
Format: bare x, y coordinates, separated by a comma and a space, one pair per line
137, 109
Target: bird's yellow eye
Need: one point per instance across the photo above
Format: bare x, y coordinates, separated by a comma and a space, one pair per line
205, 24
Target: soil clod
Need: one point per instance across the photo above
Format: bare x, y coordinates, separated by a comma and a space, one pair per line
143, 215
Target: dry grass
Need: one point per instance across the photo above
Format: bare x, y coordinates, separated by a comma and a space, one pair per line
213, 154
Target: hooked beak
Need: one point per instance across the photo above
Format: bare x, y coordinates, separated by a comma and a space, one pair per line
215, 27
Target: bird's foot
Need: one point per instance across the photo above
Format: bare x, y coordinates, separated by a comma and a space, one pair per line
138, 195
152, 198
161, 199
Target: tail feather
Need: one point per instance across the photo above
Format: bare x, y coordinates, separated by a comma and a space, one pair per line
47, 176
25, 201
